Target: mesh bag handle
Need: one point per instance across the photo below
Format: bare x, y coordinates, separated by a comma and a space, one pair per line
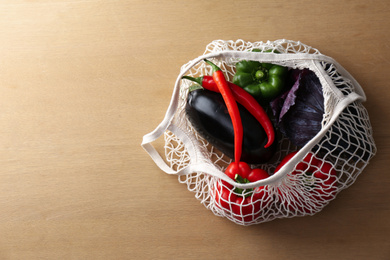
312, 59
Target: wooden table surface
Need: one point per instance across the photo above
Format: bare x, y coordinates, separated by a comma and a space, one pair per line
82, 81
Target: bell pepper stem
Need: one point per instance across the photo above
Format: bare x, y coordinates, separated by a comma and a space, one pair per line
239, 179
260, 75
245, 192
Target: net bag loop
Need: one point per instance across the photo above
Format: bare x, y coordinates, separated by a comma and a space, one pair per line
345, 140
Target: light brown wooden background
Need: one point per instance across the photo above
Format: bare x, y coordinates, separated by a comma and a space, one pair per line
82, 81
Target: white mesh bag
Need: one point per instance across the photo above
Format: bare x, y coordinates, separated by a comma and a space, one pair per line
345, 140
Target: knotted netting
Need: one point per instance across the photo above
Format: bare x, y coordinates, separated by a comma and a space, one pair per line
328, 163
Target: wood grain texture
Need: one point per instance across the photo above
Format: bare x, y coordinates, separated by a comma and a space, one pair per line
82, 81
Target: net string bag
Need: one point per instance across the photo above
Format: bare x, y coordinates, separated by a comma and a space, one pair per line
344, 144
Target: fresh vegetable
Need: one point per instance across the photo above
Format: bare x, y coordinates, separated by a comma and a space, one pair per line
319, 182
232, 107
244, 204
245, 99
207, 112
299, 111
264, 81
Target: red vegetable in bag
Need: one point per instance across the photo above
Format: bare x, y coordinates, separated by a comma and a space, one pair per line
243, 204
318, 184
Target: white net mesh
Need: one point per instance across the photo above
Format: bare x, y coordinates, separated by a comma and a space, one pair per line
334, 162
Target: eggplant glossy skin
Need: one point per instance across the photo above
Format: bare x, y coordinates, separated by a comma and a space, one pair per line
208, 114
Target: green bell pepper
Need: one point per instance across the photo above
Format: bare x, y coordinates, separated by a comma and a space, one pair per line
264, 81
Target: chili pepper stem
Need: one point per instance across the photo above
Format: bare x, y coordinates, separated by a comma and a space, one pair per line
198, 80
215, 67
194, 87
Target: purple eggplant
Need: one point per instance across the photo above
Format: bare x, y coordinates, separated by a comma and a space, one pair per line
208, 114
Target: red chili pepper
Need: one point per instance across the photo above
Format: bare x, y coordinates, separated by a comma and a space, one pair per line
231, 104
245, 99
318, 178
243, 204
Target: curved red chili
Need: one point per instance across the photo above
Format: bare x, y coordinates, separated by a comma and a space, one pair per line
245, 99
231, 104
